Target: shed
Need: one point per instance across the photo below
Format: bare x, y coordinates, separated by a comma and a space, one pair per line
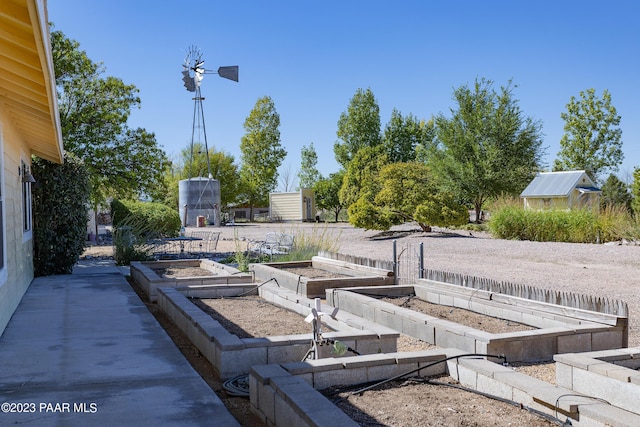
561, 190
293, 206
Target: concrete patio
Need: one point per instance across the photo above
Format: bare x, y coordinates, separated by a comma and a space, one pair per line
82, 349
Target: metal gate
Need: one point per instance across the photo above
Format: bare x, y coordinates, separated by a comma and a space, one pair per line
408, 263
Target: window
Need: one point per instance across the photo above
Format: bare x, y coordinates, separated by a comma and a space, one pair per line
27, 214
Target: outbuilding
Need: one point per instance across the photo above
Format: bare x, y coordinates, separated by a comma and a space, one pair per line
561, 190
292, 206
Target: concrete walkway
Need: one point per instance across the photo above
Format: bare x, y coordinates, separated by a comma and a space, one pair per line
82, 349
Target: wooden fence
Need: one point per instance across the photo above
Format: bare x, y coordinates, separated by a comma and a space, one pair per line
408, 267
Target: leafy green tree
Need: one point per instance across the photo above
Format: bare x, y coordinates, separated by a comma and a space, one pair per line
327, 193
407, 192
262, 153
635, 191
360, 179
94, 110
308, 174
615, 193
403, 135
358, 127
488, 147
592, 140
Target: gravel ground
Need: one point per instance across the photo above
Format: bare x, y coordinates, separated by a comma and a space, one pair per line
609, 270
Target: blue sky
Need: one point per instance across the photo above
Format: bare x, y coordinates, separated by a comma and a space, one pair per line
310, 58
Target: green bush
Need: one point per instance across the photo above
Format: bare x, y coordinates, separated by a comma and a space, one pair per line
136, 224
158, 219
60, 213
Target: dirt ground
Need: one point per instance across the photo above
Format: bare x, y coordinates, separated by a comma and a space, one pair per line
420, 403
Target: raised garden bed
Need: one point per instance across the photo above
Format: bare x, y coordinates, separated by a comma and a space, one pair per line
554, 329
151, 275
610, 375
232, 355
312, 278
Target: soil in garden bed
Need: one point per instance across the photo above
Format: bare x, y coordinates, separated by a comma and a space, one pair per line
251, 316
313, 273
415, 402
462, 316
175, 272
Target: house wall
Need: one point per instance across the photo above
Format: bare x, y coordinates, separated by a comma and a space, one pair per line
17, 273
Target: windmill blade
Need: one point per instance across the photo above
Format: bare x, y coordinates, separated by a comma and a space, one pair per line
189, 82
230, 72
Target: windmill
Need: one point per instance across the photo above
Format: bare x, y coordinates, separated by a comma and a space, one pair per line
200, 189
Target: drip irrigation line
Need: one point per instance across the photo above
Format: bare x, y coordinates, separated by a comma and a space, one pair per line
413, 371
256, 288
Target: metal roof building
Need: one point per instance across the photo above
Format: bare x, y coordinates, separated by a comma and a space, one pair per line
564, 190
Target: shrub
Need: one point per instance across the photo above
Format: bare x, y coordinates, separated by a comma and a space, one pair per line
158, 219
136, 223
509, 221
60, 213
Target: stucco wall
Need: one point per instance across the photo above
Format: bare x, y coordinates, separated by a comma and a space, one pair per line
17, 273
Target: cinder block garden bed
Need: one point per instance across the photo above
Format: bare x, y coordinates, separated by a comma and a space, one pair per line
609, 375
555, 329
232, 355
310, 278
292, 393
151, 275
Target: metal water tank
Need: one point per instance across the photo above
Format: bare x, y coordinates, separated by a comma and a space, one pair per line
199, 197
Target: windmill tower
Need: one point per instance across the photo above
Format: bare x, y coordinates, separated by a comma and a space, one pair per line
200, 196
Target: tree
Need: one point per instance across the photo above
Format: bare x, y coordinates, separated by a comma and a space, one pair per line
407, 192
592, 140
287, 179
327, 193
635, 191
615, 193
93, 115
403, 136
488, 147
358, 127
308, 174
262, 153
360, 179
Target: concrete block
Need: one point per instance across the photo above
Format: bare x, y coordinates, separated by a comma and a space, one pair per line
494, 388
236, 362
382, 372
368, 360
285, 414
447, 338
328, 378
607, 340
263, 373
564, 375
574, 343
266, 401
608, 415
286, 353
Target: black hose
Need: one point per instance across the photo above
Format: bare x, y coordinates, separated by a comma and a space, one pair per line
427, 366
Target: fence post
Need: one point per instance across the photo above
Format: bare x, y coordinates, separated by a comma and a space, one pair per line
395, 263
421, 261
